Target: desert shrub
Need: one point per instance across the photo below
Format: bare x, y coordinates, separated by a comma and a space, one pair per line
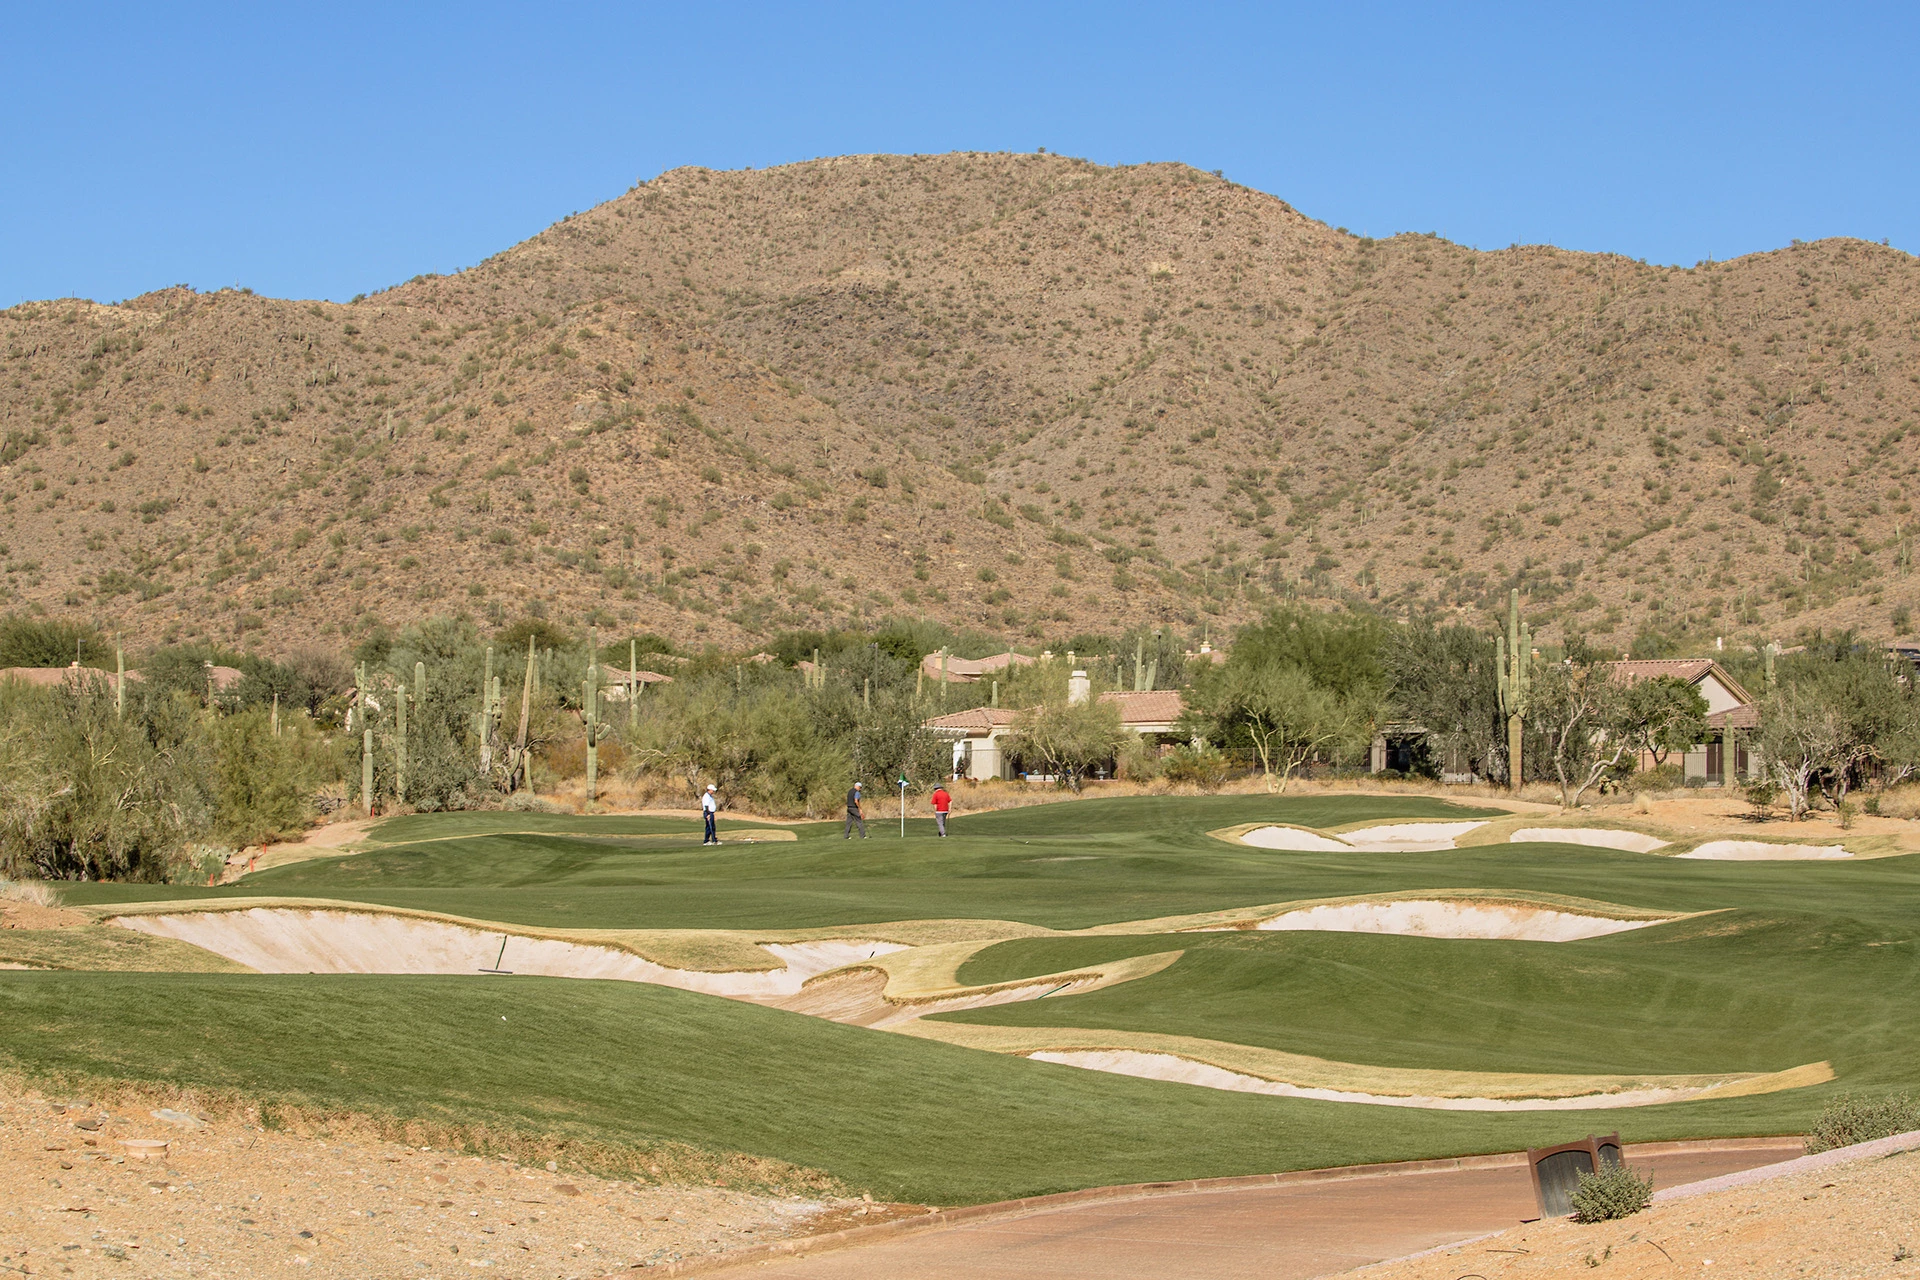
1665, 777
1762, 794
1847, 1120
49, 642
1900, 802
263, 783
35, 893
89, 794
442, 773
1137, 761
1202, 767
1846, 811
1613, 1192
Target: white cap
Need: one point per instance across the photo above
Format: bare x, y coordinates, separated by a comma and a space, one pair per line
858, 785
709, 786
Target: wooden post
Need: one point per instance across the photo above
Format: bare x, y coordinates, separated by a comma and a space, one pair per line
120, 682
633, 685
274, 717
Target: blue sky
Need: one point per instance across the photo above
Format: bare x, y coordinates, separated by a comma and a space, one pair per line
326, 150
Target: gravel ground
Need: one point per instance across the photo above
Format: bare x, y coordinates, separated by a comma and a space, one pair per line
1857, 1221
231, 1199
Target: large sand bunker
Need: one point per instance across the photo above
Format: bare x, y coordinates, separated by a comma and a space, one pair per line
1395, 837
1762, 851
1439, 918
1592, 837
285, 940
1167, 1066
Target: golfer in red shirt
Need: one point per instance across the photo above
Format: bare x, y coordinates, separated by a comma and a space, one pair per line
941, 803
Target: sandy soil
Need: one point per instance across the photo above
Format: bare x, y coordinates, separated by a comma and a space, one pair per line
1764, 851
1506, 921
296, 941
1857, 1220
232, 1199
1593, 837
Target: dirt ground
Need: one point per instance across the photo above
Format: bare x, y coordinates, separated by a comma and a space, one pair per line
1859, 1220
232, 1199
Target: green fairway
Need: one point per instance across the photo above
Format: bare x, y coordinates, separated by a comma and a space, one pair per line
901, 1117
1795, 963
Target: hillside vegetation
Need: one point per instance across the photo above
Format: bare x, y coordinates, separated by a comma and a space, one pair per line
1019, 393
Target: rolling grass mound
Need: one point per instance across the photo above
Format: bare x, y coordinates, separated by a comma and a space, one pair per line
1760, 967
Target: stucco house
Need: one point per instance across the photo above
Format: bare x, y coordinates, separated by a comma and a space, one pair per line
978, 734
1732, 717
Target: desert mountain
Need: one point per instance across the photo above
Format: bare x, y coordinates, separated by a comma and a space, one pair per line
1019, 393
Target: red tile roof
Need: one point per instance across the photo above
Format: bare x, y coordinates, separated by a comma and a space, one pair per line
975, 720
1692, 670
968, 670
56, 675
1155, 706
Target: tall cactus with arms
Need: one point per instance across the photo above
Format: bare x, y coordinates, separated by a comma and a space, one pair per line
1513, 653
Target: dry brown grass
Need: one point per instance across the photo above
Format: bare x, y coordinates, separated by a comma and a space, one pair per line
35, 893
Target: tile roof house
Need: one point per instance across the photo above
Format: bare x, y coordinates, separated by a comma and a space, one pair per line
977, 733
945, 666
50, 676
1728, 705
1732, 717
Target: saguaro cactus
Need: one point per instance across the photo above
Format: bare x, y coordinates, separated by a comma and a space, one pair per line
595, 730
1514, 658
517, 759
400, 744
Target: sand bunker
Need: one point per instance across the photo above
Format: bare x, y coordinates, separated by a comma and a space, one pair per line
1761, 851
1506, 921
1167, 1066
1593, 837
1398, 837
279, 940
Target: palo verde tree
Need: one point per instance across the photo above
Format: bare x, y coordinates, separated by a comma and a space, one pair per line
1577, 717
1285, 716
1446, 681
1663, 715
1068, 739
1297, 686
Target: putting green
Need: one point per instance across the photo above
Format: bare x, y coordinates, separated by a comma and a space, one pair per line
1117, 934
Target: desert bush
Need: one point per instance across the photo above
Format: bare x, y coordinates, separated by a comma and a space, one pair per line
1847, 1120
35, 893
1137, 761
89, 794
1613, 1192
263, 784
1762, 794
48, 642
1202, 767
1665, 777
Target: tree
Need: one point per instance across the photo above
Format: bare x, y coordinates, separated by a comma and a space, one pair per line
1836, 717
1800, 735
1340, 652
1663, 715
1577, 712
1068, 739
1444, 680
1285, 715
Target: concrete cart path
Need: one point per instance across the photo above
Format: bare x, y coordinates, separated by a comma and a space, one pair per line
1288, 1232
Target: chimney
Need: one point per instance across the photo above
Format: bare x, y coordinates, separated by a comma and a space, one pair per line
1078, 687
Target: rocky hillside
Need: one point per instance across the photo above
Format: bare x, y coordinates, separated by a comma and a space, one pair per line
1021, 393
